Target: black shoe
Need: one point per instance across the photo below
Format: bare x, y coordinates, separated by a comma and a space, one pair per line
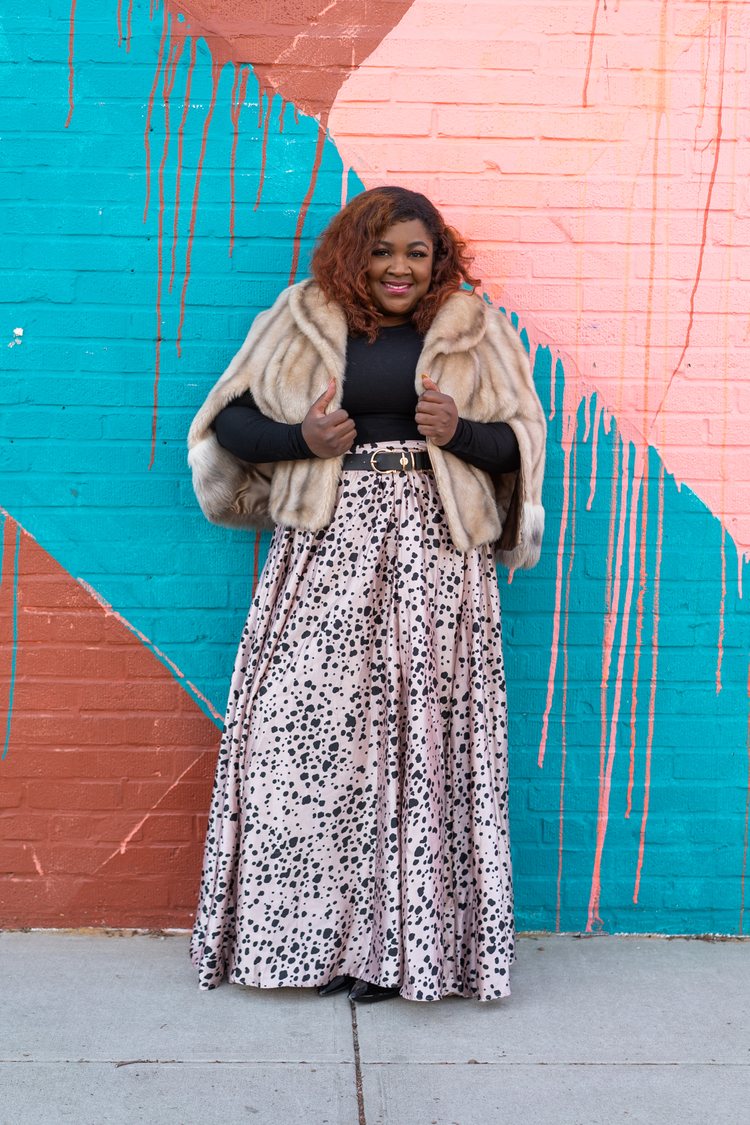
336, 984
362, 992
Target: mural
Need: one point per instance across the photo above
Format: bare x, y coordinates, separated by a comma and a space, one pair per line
174, 165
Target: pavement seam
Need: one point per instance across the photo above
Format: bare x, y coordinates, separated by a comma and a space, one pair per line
318, 1065
361, 1119
616, 1062
118, 1063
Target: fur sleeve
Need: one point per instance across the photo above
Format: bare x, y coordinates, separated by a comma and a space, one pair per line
269, 329
232, 492
518, 494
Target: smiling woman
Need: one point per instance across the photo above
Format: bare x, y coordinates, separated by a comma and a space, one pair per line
386, 422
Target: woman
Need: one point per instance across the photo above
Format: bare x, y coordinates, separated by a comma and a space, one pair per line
385, 420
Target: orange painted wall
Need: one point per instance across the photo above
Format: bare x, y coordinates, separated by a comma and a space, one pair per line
107, 774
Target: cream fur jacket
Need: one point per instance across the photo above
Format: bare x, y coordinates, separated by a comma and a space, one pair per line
291, 353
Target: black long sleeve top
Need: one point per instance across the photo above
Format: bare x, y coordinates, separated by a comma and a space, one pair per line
380, 397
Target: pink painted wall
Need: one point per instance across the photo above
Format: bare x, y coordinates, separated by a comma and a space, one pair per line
597, 155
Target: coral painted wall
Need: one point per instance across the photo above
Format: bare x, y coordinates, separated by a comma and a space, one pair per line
167, 170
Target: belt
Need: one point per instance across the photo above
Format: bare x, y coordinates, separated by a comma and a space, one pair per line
389, 461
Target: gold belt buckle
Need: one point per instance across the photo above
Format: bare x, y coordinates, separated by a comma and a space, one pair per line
405, 461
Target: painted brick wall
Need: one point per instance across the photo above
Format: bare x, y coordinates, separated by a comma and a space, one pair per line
166, 173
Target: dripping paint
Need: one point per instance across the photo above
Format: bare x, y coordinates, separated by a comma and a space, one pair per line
170, 67
263, 95
150, 110
564, 701
215, 72
306, 203
611, 569
555, 648
746, 833
71, 71
239, 90
672, 106
592, 37
305, 81
180, 143
706, 213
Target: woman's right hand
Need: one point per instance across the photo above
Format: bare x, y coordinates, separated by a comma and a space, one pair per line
328, 435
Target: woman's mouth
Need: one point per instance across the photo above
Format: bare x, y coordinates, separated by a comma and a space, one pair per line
396, 287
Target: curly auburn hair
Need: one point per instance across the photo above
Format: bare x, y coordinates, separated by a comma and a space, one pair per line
341, 258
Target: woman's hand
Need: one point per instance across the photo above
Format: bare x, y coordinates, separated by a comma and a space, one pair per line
437, 414
328, 435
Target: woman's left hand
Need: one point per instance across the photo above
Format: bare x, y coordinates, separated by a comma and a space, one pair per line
437, 414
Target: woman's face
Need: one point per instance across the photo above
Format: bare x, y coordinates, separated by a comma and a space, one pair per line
400, 270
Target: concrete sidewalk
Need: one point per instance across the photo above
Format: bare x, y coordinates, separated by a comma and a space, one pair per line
103, 1030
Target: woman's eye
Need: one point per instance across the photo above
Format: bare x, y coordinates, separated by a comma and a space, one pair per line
379, 253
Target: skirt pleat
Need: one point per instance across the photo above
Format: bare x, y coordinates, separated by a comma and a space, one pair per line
359, 821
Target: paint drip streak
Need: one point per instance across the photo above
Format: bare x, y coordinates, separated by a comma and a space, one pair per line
238, 97
594, 453
587, 402
592, 38
14, 635
552, 389
706, 212
608, 613
564, 706
567, 445
150, 110
264, 147
306, 201
607, 750
652, 693
178, 174
722, 610
642, 579
233, 155
638, 646
170, 71
215, 73
625, 628
71, 68
747, 816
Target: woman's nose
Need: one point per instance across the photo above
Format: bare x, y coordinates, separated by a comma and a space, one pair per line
399, 265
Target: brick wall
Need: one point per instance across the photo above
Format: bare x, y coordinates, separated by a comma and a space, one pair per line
594, 156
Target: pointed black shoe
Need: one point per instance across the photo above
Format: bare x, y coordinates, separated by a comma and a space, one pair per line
362, 992
336, 984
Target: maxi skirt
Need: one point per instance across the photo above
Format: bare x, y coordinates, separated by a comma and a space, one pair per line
359, 821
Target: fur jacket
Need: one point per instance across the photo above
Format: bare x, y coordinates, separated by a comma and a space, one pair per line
291, 353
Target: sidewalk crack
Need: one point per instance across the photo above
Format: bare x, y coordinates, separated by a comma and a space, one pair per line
361, 1119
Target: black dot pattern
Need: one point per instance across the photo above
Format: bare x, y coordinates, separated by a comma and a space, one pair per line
359, 822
